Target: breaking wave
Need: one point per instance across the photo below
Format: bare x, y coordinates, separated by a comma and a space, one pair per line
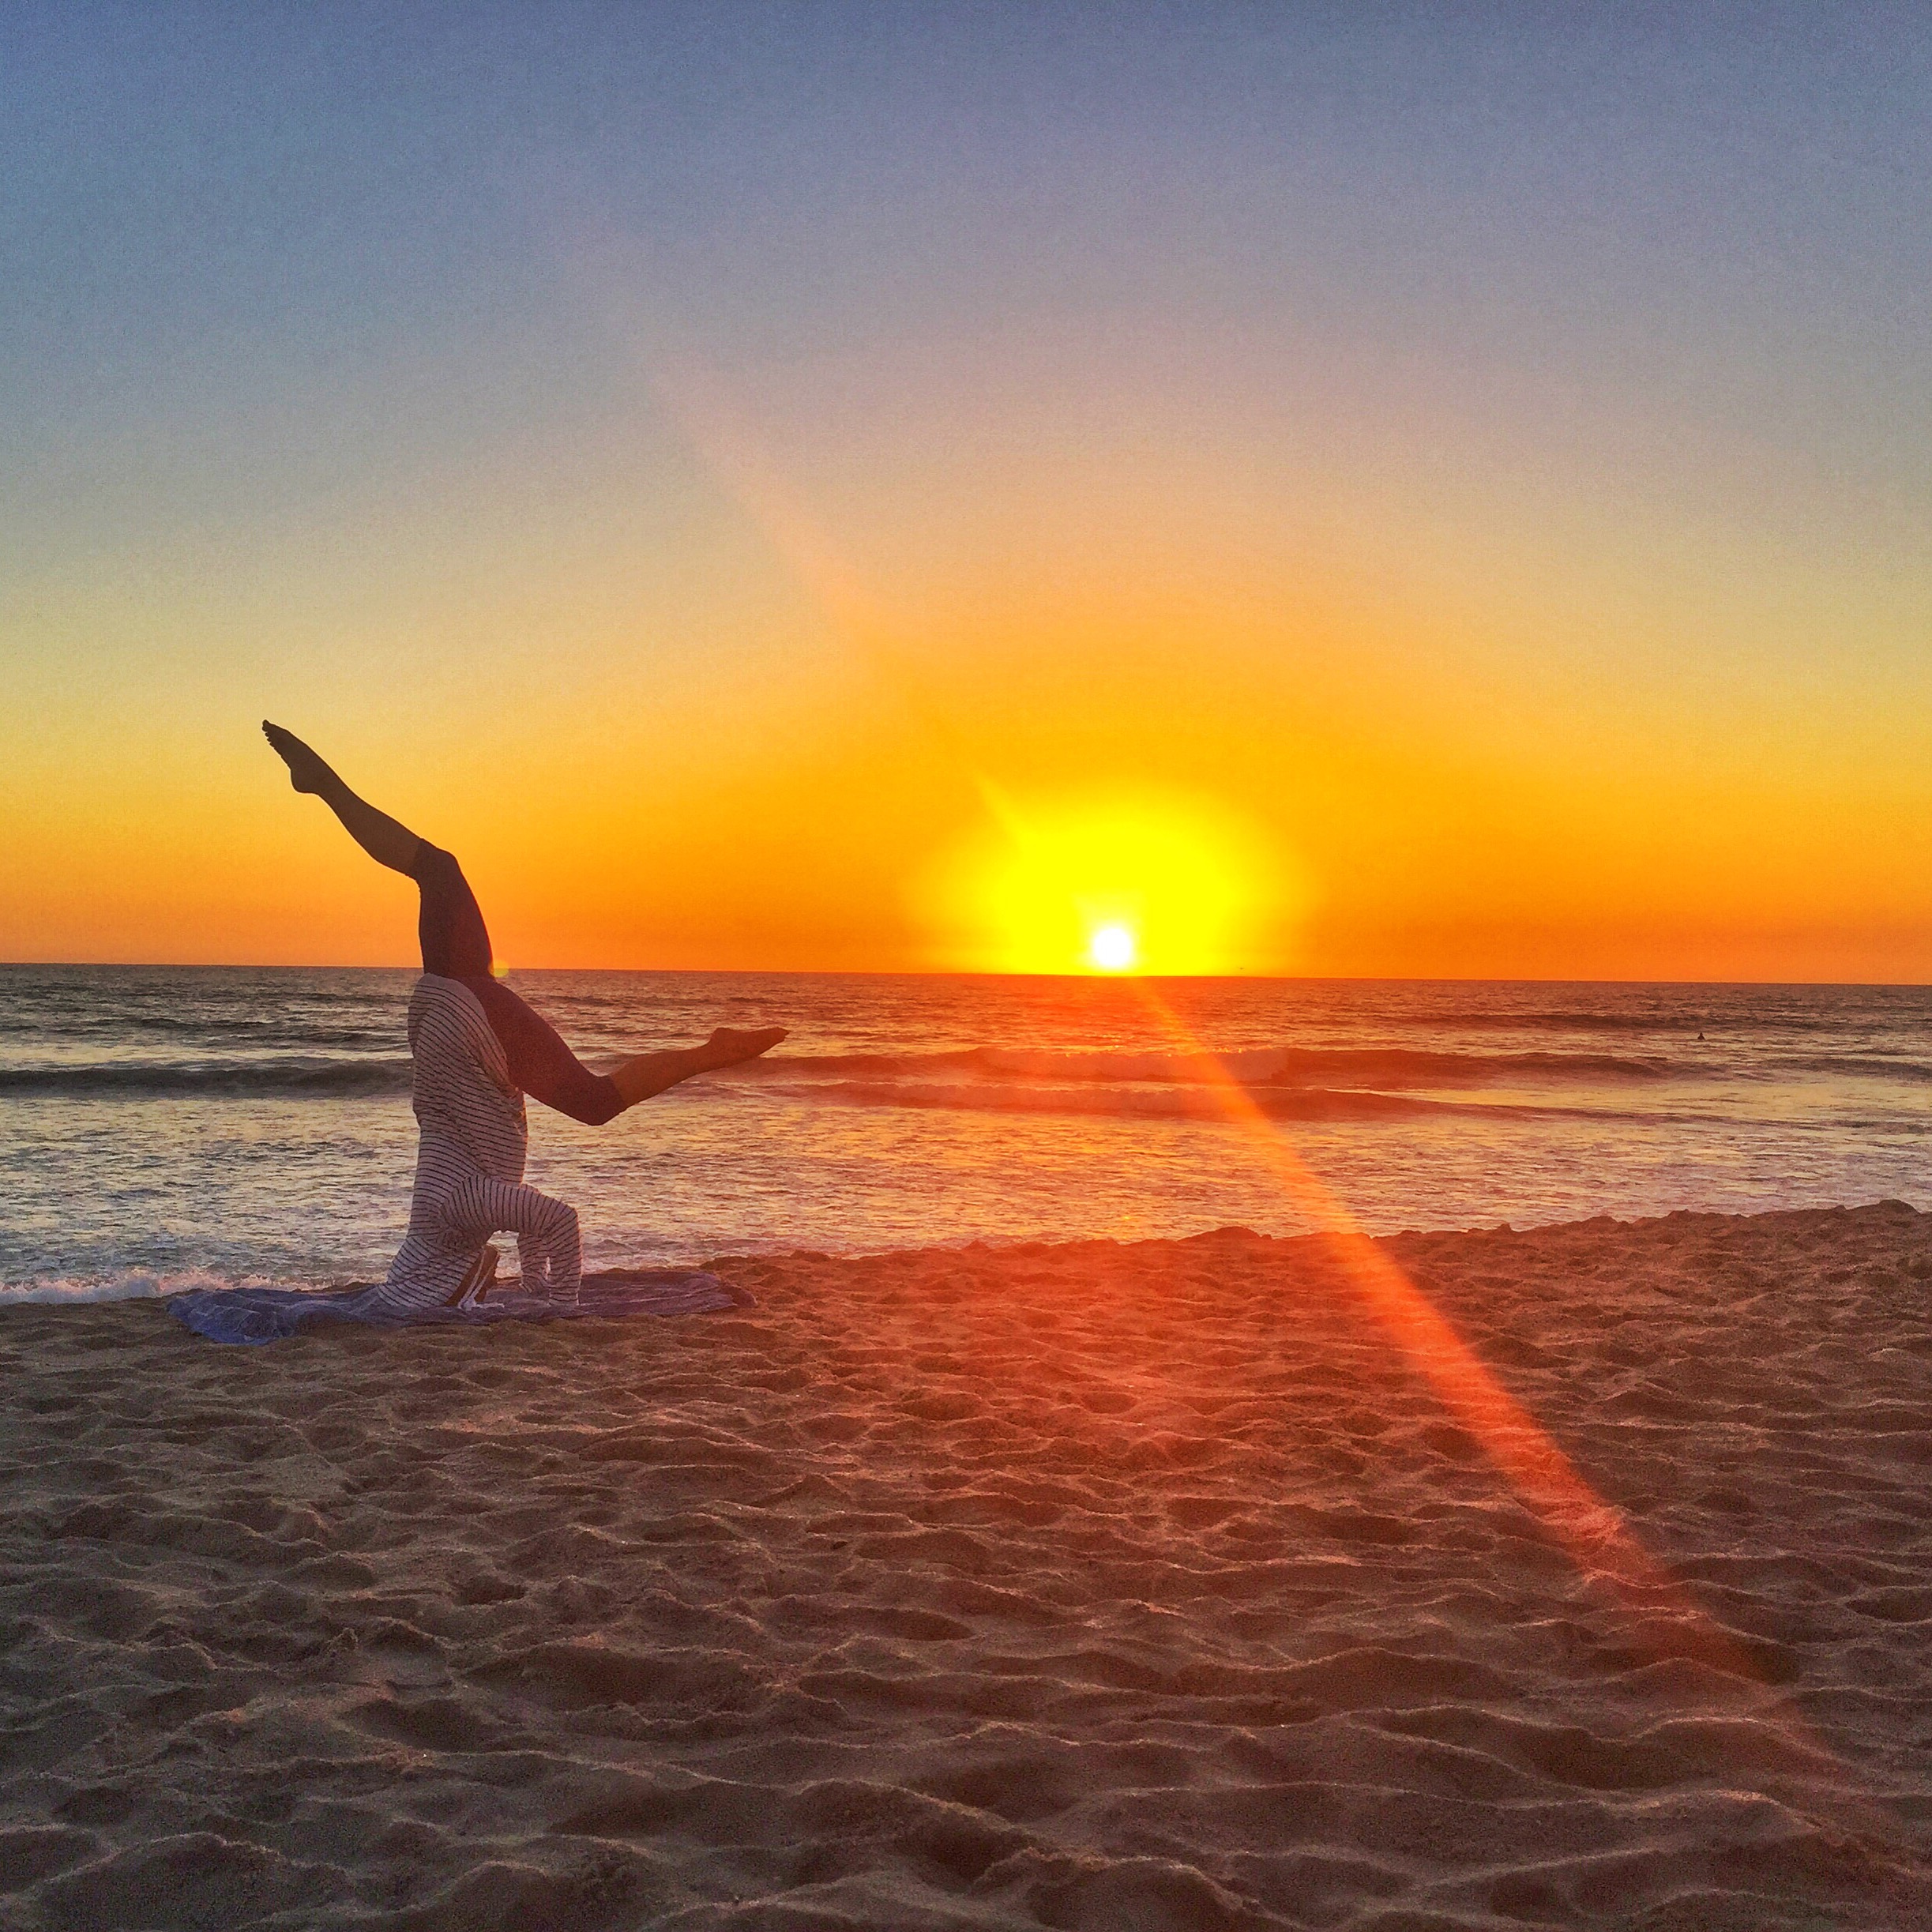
242, 1079
1144, 1103
132, 1285
1289, 1082
1874, 1065
1287, 1066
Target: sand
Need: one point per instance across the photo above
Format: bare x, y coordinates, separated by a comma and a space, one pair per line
1086, 1586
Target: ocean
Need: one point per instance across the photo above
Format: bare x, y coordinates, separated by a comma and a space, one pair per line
162, 1127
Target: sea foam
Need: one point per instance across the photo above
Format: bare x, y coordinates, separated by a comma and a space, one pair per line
133, 1285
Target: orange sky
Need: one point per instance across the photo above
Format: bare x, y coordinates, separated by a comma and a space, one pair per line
1514, 547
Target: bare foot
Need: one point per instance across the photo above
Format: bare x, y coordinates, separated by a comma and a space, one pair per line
306, 771
477, 1282
731, 1046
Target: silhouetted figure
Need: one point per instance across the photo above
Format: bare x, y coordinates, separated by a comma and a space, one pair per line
477, 1049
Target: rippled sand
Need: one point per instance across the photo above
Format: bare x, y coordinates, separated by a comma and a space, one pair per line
1088, 1586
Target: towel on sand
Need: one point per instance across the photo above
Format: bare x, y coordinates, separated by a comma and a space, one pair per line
271, 1314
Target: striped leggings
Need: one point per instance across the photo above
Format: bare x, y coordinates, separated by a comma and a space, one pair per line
445, 1257
549, 1249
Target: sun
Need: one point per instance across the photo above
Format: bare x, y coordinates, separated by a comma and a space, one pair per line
1112, 948
1141, 881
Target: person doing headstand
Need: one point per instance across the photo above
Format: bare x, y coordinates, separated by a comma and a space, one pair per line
475, 1050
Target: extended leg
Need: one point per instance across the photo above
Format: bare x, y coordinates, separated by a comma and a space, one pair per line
456, 943
386, 842
546, 1069
651, 1073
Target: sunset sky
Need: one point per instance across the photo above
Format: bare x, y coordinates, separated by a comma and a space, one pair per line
1437, 489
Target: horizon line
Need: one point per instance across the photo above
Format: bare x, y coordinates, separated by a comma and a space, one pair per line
945, 973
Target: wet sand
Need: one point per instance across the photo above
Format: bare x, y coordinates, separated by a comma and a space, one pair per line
1121, 1588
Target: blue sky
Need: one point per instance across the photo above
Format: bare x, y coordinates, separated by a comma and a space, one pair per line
1582, 348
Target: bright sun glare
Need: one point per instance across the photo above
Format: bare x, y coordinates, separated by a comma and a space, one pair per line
1146, 882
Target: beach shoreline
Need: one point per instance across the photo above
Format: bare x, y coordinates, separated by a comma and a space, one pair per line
1084, 1585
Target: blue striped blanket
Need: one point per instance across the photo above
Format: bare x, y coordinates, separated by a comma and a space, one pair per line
252, 1315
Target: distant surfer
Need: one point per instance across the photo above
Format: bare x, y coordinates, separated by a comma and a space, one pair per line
475, 1050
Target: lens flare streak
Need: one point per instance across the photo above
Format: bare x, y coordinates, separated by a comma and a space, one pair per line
1590, 1531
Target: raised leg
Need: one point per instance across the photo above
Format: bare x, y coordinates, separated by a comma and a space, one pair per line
385, 841
456, 943
651, 1073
